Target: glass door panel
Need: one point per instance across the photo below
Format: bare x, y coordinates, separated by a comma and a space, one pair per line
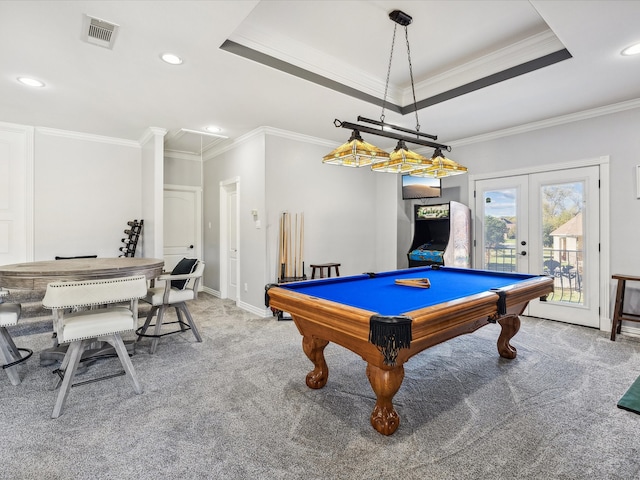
503, 224
565, 215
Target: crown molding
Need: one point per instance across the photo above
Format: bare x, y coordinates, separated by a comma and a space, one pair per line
551, 122
182, 155
214, 152
526, 50
291, 51
150, 133
54, 132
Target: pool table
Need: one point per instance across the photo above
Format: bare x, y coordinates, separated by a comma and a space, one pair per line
386, 322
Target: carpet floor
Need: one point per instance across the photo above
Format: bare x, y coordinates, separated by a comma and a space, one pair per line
236, 407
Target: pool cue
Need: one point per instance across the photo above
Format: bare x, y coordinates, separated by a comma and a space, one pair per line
295, 249
302, 244
284, 245
288, 244
281, 250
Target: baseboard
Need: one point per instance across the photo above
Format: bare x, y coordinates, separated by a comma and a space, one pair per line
211, 291
261, 312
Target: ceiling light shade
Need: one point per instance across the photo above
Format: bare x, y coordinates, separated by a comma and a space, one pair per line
401, 160
355, 153
441, 166
31, 82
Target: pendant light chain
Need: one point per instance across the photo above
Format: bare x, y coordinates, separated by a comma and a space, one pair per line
386, 85
413, 90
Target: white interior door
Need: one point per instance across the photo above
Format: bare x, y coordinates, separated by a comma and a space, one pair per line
545, 223
232, 232
229, 239
16, 194
181, 225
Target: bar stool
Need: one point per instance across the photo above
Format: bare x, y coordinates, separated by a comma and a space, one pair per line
618, 313
322, 267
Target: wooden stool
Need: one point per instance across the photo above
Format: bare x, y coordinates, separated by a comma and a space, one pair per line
322, 266
618, 314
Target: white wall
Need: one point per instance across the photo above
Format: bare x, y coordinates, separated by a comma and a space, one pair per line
349, 213
244, 160
86, 188
151, 187
182, 169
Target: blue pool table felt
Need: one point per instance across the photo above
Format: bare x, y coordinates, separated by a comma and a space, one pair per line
382, 295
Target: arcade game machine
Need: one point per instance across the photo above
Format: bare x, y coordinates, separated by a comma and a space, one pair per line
442, 235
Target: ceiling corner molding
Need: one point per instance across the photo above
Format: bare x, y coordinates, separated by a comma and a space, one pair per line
283, 66
216, 151
277, 132
152, 132
529, 49
55, 132
551, 122
230, 145
296, 53
180, 155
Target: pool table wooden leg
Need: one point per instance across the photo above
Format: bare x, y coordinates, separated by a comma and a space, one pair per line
385, 384
314, 349
510, 325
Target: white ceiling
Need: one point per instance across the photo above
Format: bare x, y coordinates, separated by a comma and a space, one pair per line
120, 92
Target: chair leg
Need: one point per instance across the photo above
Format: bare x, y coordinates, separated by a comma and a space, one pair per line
74, 353
9, 354
192, 324
123, 355
147, 322
156, 331
183, 328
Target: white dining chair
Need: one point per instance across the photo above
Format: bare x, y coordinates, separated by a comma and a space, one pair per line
92, 310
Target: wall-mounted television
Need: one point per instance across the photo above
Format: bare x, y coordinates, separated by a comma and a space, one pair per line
420, 187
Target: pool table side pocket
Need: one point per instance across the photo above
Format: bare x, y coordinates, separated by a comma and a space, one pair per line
442, 322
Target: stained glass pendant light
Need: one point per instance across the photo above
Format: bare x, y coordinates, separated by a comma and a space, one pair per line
401, 160
441, 166
355, 153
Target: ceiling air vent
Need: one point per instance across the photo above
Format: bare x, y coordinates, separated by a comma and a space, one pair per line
99, 32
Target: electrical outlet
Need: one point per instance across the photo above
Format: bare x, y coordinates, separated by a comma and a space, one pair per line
246, 287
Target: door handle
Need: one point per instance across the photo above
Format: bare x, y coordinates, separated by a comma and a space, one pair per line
523, 253
190, 246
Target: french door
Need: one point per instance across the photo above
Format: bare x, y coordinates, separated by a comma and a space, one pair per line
545, 223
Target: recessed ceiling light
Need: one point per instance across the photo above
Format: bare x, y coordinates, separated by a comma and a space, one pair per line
171, 58
213, 129
632, 50
32, 82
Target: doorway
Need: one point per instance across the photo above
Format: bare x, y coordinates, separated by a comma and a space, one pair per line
546, 223
229, 239
182, 224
